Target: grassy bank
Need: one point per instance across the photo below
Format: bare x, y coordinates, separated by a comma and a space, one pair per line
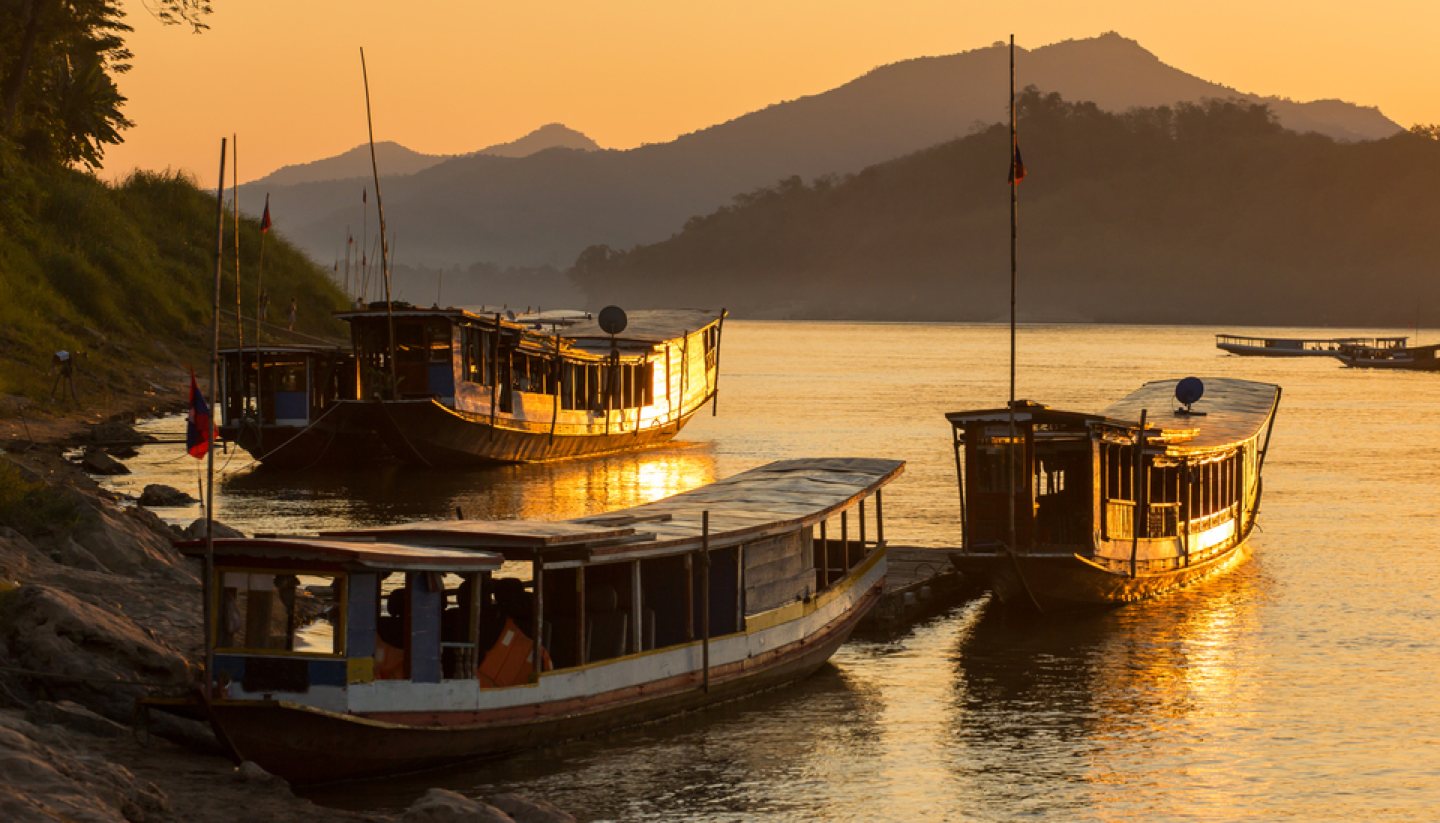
123, 274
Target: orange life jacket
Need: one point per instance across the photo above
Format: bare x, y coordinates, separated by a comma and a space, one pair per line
389, 661
509, 663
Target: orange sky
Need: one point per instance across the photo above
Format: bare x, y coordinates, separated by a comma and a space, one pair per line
451, 77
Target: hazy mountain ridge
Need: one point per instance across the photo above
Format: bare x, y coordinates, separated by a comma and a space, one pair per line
396, 160
544, 208
1171, 215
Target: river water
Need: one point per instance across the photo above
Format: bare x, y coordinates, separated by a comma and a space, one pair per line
1301, 685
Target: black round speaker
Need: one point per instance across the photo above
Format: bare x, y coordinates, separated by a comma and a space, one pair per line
1189, 390
613, 319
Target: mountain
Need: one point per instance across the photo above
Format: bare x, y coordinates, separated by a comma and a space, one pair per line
548, 136
396, 160
544, 208
1196, 213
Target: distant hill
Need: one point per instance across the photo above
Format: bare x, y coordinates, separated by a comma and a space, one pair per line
396, 160
1189, 214
544, 208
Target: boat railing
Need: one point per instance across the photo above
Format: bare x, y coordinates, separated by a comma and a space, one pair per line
1200, 525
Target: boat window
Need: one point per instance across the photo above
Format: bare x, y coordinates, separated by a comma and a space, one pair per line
992, 467
280, 611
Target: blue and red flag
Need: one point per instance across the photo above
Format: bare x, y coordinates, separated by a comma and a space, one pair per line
198, 423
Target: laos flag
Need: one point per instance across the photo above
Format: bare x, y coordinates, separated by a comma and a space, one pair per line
199, 430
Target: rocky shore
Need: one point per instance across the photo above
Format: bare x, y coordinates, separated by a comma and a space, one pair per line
97, 609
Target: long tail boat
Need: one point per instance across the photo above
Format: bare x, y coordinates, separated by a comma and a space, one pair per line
1301, 346
388, 650
1411, 358
456, 387
1156, 491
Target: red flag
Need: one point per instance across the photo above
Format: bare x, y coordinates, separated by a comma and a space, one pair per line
1017, 167
265, 219
198, 423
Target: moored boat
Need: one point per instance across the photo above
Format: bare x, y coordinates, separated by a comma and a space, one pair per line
1413, 358
1300, 346
386, 650
1117, 506
472, 388
276, 402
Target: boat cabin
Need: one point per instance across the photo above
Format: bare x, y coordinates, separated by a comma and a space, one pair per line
282, 385
1106, 488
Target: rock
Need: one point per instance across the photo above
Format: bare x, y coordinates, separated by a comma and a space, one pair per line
72, 715
251, 772
123, 452
524, 810
196, 530
445, 806
157, 494
48, 778
96, 657
97, 461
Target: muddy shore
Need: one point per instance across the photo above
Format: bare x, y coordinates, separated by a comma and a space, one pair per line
97, 609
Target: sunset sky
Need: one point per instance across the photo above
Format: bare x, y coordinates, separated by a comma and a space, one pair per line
452, 77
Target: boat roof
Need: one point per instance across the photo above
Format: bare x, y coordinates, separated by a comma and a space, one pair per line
646, 326
292, 348
348, 553
1273, 339
1234, 411
777, 498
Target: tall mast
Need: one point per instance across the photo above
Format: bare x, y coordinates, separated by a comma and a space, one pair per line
384, 247
207, 588
235, 204
1014, 220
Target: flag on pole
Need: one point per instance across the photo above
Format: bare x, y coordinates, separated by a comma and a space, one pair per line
198, 423
1017, 166
265, 219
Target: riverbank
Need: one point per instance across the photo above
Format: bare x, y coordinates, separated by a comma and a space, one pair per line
96, 610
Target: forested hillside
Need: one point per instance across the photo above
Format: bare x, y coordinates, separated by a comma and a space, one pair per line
1194, 213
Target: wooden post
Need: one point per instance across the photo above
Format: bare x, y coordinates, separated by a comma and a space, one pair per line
715, 389
824, 557
208, 588
495, 371
637, 608
384, 246
705, 599
689, 597
879, 517
862, 527
845, 539
538, 573
1138, 493
580, 615
669, 373
472, 661
235, 209
559, 385
740, 588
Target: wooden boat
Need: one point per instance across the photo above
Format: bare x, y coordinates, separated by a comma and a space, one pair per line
1112, 507
745, 584
1414, 358
276, 402
1300, 346
482, 387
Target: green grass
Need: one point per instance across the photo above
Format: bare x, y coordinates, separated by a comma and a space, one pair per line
125, 273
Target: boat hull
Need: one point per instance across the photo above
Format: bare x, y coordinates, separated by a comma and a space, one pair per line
1064, 582
427, 433
307, 745
335, 440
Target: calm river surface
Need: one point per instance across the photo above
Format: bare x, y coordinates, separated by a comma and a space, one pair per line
1302, 685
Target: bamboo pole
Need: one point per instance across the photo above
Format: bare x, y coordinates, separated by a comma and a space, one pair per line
384, 246
1138, 493
1014, 235
235, 195
208, 588
705, 598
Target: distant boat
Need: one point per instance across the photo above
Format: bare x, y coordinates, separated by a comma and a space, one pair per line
388, 650
1414, 358
1300, 346
1110, 509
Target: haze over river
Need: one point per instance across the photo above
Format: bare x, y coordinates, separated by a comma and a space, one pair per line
1302, 685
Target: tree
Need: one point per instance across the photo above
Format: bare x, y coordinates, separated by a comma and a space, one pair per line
59, 103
